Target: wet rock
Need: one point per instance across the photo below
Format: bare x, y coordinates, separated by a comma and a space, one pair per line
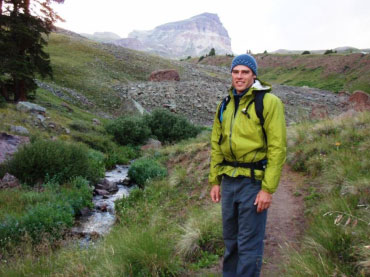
152, 144
9, 181
127, 182
85, 211
102, 207
107, 185
164, 75
101, 192
9, 144
19, 130
360, 101
30, 107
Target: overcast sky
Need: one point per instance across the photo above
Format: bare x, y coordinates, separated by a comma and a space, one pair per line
256, 25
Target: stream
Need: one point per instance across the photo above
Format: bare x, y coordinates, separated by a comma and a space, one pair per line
100, 220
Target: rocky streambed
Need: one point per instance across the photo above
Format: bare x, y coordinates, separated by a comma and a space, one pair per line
99, 221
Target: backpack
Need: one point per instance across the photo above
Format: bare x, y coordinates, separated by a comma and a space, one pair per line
258, 100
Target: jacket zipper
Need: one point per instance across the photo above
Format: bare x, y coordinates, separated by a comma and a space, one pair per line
231, 132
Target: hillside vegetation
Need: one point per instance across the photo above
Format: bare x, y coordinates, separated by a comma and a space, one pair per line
334, 154
334, 72
94, 69
170, 228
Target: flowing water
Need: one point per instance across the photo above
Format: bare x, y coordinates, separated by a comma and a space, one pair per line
100, 222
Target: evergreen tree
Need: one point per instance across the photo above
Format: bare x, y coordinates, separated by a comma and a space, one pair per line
23, 34
212, 52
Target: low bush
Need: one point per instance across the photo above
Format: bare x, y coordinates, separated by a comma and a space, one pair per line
121, 155
144, 169
47, 213
169, 127
56, 159
129, 130
78, 194
102, 143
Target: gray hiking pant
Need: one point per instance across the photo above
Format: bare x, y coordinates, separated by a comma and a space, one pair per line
243, 227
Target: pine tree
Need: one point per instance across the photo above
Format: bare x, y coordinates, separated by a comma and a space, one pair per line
212, 52
23, 34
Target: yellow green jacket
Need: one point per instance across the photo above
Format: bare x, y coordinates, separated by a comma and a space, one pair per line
241, 139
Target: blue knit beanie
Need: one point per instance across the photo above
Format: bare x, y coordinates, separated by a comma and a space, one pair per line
246, 60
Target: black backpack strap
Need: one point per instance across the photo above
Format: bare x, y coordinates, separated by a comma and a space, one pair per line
222, 107
258, 99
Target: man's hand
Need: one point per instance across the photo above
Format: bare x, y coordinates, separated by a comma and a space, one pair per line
263, 201
215, 194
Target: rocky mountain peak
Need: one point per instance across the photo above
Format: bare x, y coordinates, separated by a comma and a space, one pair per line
194, 36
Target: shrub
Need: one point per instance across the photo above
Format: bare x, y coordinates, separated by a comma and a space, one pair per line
78, 194
44, 218
121, 155
168, 127
200, 58
144, 169
81, 126
56, 159
306, 52
101, 143
96, 166
212, 52
2, 102
129, 130
45, 214
329, 52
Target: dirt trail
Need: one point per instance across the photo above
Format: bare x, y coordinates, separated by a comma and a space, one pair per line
285, 222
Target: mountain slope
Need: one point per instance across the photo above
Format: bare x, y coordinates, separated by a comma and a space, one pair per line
335, 72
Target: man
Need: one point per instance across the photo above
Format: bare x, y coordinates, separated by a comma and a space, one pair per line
247, 158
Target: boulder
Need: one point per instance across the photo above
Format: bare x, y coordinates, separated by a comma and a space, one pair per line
319, 112
9, 181
65, 105
164, 75
30, 107
101, 192
359, 100
9, 144
102, 207
107, 185
19, 130
96, 121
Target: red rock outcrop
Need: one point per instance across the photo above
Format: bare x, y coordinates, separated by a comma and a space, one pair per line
164, 75
359, 100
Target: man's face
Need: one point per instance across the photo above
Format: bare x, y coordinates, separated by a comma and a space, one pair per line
242, 78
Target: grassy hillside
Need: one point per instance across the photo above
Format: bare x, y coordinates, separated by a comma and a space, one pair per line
335, 156
335, 72
94, 69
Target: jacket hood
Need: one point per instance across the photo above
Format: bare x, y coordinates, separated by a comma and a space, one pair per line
259, 85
